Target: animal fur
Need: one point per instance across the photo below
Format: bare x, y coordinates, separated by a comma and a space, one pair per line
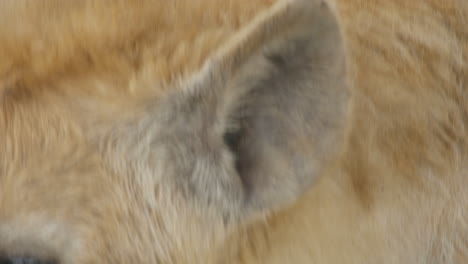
227, 131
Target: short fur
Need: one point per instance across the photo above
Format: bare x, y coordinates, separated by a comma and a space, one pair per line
223, 131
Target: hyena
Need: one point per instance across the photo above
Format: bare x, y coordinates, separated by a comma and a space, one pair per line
234, 131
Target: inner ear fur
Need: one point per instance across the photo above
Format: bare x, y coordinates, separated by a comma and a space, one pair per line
260, 122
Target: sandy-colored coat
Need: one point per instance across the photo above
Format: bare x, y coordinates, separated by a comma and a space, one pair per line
77, 79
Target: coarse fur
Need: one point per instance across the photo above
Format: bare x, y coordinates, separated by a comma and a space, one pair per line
232, 131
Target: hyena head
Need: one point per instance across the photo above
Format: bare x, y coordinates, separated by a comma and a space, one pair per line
245, 136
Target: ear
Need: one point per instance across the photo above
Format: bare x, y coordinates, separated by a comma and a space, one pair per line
255, 128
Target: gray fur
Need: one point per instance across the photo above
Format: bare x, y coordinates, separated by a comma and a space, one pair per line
251, 137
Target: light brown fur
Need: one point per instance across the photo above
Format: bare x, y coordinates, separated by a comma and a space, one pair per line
71, 70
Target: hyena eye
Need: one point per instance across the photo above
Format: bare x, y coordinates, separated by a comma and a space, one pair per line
24, 260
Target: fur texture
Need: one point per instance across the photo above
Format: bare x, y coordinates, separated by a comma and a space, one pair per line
219, 131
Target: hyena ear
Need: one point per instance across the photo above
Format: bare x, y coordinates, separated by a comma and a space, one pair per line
266, 114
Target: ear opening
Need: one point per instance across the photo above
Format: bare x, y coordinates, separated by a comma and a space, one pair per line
266, 114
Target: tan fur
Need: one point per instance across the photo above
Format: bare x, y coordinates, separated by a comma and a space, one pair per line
71, 70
